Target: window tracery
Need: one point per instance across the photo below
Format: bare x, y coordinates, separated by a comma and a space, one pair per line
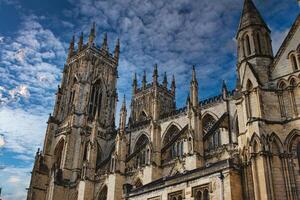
95, 100
214, 140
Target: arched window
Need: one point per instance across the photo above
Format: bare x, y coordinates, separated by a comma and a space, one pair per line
294, 62
179, 197
58, 154
142, 116
141, 149
214, 139
205, 195
95, 100
173, 151
247, 45
198, 195
258, 43
103, 194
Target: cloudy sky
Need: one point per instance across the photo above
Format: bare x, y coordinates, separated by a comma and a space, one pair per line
175, 34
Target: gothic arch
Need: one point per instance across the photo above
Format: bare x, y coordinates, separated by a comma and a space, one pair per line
168, 128
290, 138
276, 165
103, 193
249, 85
255, 143
215, 116
58, 153
140, 140
275, 140
170, 132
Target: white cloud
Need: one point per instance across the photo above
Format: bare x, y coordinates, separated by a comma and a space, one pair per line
1, 39
13, 180
23, 131
2, 142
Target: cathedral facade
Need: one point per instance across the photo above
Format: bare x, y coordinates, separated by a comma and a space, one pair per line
241, 144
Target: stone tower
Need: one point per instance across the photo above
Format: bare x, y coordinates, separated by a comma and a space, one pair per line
82, 123
254, 41
152, 100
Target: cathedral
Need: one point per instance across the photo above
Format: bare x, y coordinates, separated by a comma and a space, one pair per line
241, 144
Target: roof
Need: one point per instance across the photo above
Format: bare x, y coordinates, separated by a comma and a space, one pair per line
286, 40
251, 16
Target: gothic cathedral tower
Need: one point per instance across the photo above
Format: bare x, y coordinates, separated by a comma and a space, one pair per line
82, 123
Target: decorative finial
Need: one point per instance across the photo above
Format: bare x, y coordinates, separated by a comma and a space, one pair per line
92, 34
80, 42
104, 43
165, 81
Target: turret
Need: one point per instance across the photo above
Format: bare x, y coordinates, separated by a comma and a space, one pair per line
92, 34
165, 81
173, 85
155, 75
144, 81
80, 42
253, 35
194, 89
134, 84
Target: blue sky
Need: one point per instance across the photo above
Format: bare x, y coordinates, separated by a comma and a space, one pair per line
176, 34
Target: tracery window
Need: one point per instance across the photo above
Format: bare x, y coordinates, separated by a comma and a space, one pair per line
95, 100
200, 192
178, 195
143, 151
214, 140
58, 154
176, 148
103, 194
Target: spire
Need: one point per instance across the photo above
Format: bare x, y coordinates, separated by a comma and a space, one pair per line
123, 113
194, 78
92, 34
117, 50
155, 74
165, 81
194, 88
134, 84
104, 43
71, 47
173, 85
224, 89
251, 16
144, 81
80, 42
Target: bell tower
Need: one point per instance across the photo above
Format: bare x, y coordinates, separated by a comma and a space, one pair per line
82, 123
